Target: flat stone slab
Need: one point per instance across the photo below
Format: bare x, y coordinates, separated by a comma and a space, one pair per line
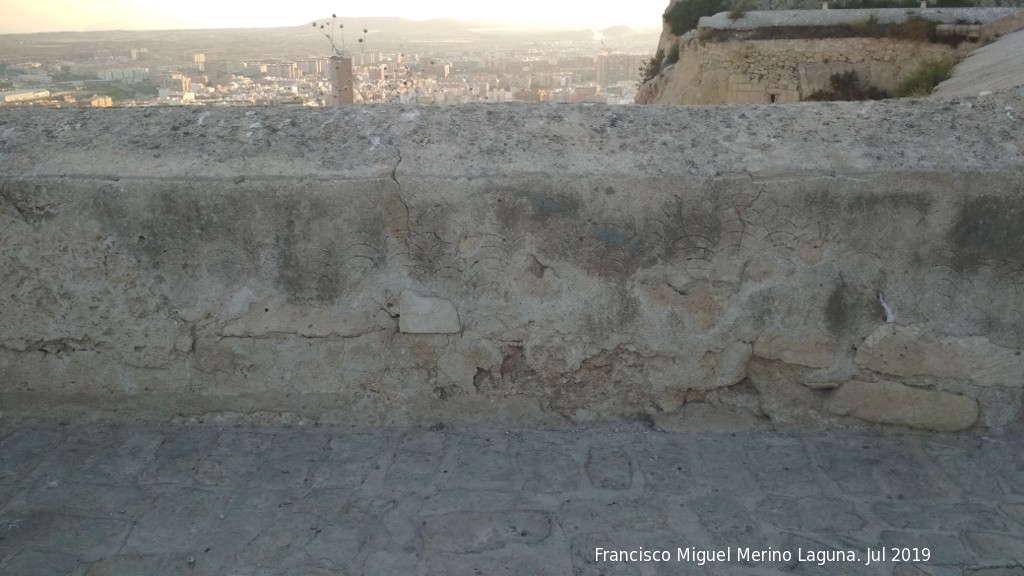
231, 498
895, 403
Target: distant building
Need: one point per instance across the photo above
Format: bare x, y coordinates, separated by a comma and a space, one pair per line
288, 70
311, 67
612, 68
124, 75
342, 90
25, 95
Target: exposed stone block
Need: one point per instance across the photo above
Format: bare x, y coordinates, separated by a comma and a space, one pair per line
427, 315
267, 318
913, 351
811, 348
894, 403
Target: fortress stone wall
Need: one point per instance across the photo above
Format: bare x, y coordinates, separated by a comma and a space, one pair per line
786, 56
786, 70
702, 267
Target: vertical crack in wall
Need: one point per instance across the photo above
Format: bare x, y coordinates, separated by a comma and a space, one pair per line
394, 169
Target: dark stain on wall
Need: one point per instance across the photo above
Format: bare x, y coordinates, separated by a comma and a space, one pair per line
838, 314
988, 228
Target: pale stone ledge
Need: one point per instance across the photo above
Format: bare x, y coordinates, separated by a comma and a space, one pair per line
893, 403
812, 349
427, 315
913, 351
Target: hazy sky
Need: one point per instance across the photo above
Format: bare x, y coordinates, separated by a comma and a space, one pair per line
58, 15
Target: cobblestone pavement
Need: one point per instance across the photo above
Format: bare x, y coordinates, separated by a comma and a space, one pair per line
227, 499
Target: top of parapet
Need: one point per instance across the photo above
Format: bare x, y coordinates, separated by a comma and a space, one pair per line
826, 18
979, 133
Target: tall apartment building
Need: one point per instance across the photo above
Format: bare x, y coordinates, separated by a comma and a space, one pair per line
612, 68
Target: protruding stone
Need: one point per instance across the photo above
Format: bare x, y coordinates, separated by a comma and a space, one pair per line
894, 403
812, 349
268, 318
427, 315
912, 351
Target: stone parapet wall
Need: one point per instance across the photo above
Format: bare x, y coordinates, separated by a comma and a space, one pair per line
531, 265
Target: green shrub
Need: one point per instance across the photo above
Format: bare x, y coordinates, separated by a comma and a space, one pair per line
650, 67
684, 14
915, 29
867, 27
925, 79
847, 86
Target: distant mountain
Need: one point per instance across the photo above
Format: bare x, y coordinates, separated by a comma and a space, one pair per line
618, 32
385, 34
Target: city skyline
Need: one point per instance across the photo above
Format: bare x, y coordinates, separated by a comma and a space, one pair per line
28, 16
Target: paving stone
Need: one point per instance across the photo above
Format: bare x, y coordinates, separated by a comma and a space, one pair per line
90, 539
809, 513
73, 498
585, 562
126, 461
1002, 571
417, 460
383, 563
121, 565
904, 474
480, 531
728, 519
256, 539
721, 466
509, 564
215, 500
995, 547
175, 521
551, 463
928, 516
907, 569
781, 466
667, 463
805, 558
220, 471
609, 468
1006, 460
346, 540
23, 450
481, 464
946, 549
619, 516
282, 468
960, 463
178, 456
462, 499
851, 466
351, 459
45, 561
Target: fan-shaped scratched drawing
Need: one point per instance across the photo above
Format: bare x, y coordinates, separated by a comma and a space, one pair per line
487, 265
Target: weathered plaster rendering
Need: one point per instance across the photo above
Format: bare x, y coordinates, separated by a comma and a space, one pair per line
710, 267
